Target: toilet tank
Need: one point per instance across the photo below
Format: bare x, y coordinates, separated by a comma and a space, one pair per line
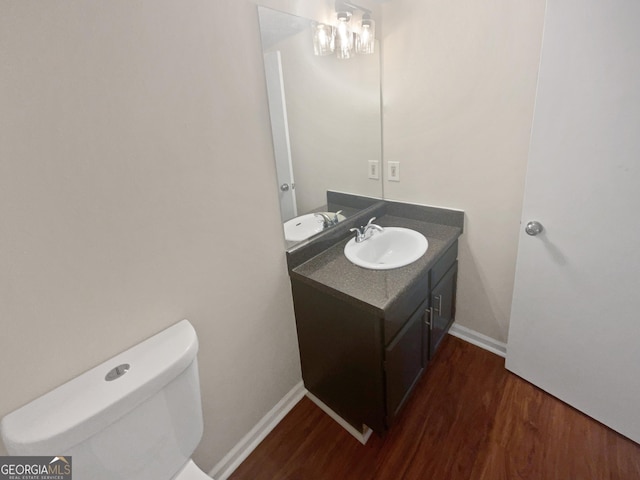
142, 425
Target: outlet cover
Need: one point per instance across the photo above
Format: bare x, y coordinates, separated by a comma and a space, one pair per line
374, 169
394, 171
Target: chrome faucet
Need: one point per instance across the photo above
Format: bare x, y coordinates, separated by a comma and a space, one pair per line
365, 232
327, 221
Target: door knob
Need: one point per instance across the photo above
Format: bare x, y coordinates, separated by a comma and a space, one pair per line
533, 228
284, 187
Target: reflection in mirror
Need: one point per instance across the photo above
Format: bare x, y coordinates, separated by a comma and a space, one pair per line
325, 121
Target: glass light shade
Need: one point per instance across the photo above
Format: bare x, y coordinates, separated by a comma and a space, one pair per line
323, 40
366, 40
344, 37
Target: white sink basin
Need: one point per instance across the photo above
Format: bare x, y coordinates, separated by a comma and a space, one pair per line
394, 247
305, 226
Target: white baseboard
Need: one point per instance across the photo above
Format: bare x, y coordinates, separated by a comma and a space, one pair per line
479, 340
362, 437
251, 440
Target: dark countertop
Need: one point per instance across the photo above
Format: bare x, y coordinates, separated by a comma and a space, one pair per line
375, 290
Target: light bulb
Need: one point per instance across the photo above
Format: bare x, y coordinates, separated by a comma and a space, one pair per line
366, 40
344, 37
323, 40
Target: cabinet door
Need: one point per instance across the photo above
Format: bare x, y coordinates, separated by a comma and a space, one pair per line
403, 363
443, 304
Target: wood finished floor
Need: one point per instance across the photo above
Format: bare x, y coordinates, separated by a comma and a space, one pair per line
469, 418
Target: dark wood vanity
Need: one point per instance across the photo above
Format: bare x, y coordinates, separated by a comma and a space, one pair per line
367, 336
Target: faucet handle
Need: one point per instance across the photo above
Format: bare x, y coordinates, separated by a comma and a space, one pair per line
359, 234
370, 226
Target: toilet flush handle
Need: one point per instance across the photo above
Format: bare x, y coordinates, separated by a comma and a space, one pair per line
117, 372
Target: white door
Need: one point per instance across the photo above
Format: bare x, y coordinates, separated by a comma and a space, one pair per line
575, 323
280, 133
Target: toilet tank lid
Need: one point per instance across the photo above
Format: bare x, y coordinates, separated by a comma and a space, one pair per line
85, 405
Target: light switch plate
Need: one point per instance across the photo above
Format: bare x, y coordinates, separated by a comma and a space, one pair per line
374, 169
394, 171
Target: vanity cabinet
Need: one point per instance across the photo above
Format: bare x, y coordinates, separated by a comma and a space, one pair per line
363, 361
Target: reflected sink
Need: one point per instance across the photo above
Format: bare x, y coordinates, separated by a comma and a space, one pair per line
302, 227
394, 247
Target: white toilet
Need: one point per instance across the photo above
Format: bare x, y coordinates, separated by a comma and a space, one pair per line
137, 416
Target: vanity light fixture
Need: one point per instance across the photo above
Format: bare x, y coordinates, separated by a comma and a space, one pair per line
342, 39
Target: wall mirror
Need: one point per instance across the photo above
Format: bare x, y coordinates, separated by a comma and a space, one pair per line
326, 124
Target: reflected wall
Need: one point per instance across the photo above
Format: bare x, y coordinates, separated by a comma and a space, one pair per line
333, 113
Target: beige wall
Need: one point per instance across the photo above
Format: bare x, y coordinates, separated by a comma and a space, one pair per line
136, 189
459, 83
